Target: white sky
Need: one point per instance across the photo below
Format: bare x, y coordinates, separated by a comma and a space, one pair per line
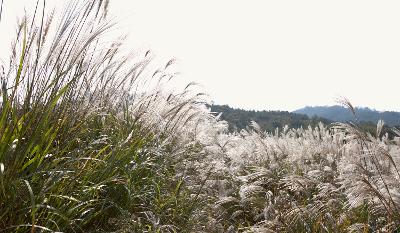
260, 54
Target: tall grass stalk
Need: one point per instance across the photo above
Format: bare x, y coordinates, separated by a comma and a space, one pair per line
80, 151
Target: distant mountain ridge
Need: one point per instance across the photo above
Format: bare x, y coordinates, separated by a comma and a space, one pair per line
342, 114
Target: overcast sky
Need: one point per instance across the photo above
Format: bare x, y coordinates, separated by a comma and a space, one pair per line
267, 54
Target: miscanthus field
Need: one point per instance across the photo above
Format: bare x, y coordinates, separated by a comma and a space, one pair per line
92, 141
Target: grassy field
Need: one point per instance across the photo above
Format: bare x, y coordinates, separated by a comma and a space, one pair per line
84, 147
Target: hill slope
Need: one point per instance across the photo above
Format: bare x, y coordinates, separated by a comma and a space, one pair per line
268, 120
342, 114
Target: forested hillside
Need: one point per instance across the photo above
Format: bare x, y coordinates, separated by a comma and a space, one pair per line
268, 120
342, 114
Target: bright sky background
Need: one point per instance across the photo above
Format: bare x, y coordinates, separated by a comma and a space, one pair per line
271, 55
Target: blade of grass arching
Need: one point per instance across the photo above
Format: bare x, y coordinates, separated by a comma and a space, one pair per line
36, 138
21, 121
33, 206
42, 149
44, 137
5, 109
104, 149
24, 129
36, 150
54, 101
4, 117
7, 129
4, 143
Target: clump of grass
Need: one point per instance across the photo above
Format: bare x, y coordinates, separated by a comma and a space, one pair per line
84, 148
337, 179
79, 150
